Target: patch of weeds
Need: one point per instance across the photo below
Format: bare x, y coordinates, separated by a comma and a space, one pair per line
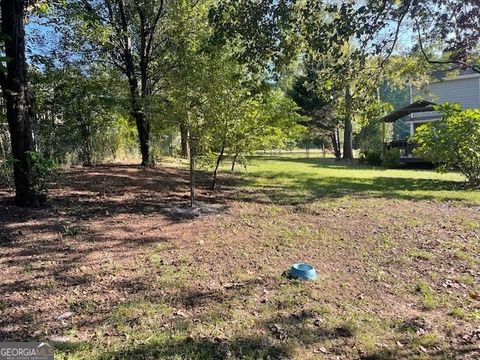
476, 314
386, 242
137, 312
414, 222
428, 296
322, 309
462, 314
164, 246
381, 354
462, 255
403, 260
155, 260
291, 296
420, 254
274, 210
78, 306
286, 238
348, 328
465, 279
366, 342
28, 268
470, 225
3, 305
426, 340
435, 276
378, 275
49, 283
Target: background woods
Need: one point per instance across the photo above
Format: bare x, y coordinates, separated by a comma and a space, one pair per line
212, 79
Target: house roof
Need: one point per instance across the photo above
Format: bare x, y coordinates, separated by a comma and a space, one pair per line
442, 74
416, 107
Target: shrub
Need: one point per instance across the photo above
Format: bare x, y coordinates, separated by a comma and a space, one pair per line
361, 159
453, 142
42, 168
6, 172
373, 157
391, 160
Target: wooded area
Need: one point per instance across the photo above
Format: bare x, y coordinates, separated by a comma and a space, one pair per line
227, 77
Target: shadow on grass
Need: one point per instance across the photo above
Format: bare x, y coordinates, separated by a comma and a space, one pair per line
261, 346
297, 188
339, 164
279, 336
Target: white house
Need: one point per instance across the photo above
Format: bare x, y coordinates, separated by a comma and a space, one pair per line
463, 89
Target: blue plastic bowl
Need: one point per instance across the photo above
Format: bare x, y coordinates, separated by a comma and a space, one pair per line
303, 271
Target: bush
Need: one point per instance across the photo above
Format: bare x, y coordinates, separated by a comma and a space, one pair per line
361, 159
373, 157
42, 169
6, 172
453, 142
391, 159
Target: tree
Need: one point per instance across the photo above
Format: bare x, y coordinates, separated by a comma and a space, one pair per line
345, 71
318, 107
448, 27
265, 31
15, 92
129, 33
453, 142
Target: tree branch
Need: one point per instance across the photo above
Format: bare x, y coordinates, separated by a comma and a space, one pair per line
442, 62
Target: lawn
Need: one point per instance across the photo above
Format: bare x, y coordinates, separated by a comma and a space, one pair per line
310, 178
115, 268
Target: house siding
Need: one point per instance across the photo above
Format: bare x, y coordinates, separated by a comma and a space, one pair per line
465, 91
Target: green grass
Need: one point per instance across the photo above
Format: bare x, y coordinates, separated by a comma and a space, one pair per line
299, 179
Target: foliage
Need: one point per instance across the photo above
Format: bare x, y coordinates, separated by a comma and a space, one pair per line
369, 137
373, 157
391, 159
453, 142
79, 115
234, 111
264, 30
42, 169
314, 104
6, 171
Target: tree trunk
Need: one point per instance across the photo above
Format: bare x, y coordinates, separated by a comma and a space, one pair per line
143, 128
184, 141
138, 99
348, 127
192, 168
336, 143
87, 144
2, 147
234, 162
14, 88
217, 165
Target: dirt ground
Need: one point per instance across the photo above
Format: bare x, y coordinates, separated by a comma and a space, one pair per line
116, 267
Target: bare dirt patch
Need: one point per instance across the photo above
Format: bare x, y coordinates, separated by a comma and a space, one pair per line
113, 268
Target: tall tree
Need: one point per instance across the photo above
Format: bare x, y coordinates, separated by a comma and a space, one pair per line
128, 32
318, 106
14, 89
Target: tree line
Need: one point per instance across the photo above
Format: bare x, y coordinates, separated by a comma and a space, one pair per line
101, 78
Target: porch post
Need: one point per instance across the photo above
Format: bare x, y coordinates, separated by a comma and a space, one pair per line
383, 138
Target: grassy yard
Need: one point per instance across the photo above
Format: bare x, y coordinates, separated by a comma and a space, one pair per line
311, 178
114, 269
